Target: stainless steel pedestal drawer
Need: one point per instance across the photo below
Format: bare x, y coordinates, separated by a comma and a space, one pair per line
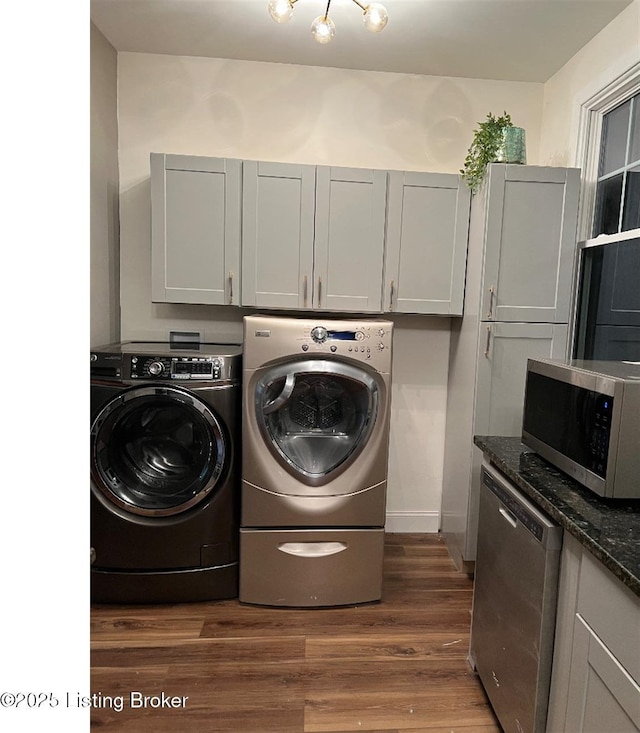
310, 568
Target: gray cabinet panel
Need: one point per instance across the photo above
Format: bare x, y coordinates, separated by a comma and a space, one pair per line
595, 684
427, 231
502, 366
509, 315
195, 229
602, 696
349, 239
531, 219
503, 350
277, 234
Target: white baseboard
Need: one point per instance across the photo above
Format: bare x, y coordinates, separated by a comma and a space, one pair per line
408, 522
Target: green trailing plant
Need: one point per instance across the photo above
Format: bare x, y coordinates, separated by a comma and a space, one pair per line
487, 139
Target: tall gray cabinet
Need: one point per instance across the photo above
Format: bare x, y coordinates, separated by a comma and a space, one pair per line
522, 239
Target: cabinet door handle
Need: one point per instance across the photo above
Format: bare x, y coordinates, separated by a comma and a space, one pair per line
230, 288
486, 348
391, 294
319, 290
490, 313
304, 291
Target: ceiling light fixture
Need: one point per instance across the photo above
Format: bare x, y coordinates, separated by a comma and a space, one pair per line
375, 18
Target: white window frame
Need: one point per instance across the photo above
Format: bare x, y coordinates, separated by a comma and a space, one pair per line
589, 137
590, 117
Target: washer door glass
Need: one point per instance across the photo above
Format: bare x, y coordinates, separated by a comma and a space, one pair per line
316, 415
156, 450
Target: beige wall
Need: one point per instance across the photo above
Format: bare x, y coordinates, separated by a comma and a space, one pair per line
322, 116
614, 50
105, 276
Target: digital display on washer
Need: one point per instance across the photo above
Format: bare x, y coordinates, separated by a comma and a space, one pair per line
193, 368
342, 335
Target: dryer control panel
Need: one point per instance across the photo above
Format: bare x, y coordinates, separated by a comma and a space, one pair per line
268, 338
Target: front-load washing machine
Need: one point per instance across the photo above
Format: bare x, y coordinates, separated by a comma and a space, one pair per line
165, 472
315, 454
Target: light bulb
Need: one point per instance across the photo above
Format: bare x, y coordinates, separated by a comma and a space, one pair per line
280, 10
323, 29
375, 17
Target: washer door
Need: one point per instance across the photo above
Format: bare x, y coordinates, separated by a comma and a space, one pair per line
156, 451
316, 416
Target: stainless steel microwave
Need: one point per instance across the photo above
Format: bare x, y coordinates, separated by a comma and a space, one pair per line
584, 418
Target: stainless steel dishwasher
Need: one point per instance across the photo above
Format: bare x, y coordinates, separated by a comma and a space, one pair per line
514, 603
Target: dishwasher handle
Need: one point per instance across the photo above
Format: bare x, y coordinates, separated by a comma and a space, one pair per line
507, 516
517, 509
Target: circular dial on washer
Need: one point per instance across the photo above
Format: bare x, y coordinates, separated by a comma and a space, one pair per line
319, 334
156, 368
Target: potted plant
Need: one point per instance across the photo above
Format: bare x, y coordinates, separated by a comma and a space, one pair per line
488, 145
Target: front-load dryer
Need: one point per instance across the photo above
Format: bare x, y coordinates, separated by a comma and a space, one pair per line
165, 472
315, 455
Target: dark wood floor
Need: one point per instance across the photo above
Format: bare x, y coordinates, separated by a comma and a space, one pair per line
397, 665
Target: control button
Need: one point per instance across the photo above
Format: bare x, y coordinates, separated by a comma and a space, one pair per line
305, 347
359, 335
334, 347
94, 357
380, 346
156, 368
319, 334
381, 332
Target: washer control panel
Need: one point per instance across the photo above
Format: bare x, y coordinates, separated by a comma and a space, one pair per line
146, 366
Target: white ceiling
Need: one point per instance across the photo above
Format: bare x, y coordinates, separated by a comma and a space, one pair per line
517, 40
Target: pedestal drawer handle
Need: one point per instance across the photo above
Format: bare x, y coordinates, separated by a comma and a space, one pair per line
312, 549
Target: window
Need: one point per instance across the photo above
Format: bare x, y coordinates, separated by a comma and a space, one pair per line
618, 183
607, 316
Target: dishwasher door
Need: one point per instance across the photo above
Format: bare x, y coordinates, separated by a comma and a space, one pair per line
514, 604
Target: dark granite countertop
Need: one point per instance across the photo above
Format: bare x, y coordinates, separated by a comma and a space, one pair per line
609, 529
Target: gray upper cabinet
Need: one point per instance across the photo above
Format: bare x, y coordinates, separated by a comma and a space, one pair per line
195, 229
349, 239
277, 234
313, 237
426, 251
531, 221
305, 237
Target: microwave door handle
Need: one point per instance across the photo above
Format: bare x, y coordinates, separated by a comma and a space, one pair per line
287, 390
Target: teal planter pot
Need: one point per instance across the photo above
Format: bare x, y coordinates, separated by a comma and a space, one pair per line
513, 147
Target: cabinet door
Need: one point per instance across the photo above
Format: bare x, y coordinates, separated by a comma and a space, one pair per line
503, 350
277, 234
530, 234
195, 229
602, 694
349, 239
502, 367
426, 247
